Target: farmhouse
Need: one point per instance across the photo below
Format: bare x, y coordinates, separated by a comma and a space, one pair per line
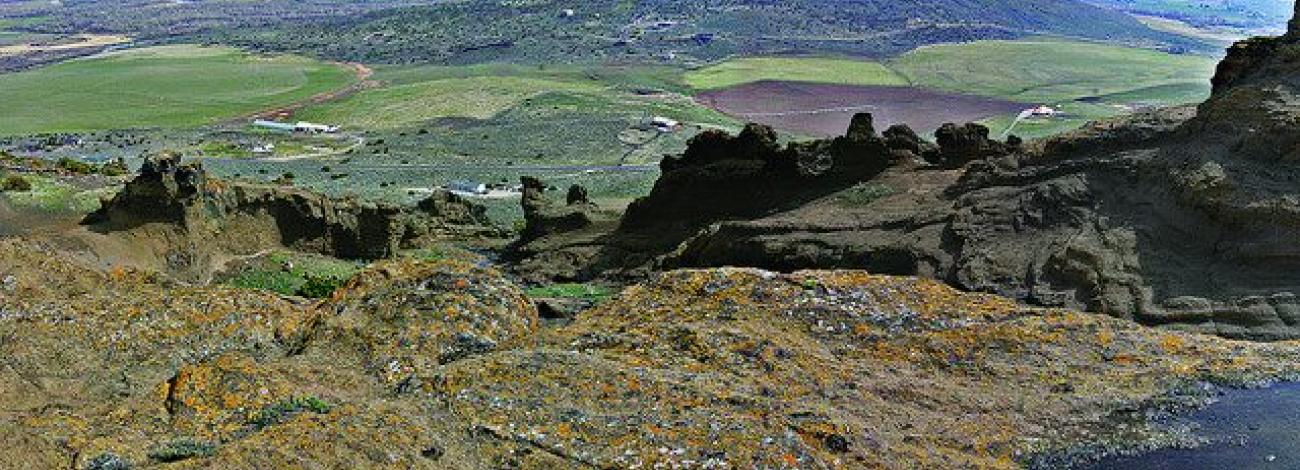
1043, 111
663, 124
467, 187
314, 128
301, 126
273, 125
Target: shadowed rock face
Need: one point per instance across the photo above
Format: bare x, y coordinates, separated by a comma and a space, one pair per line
719, 177
1182, 217
238, 218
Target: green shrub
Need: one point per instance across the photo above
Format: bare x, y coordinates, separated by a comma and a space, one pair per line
15, 183
572, 291
320, 287
114, 168
280, 282
108, 461
863, 194
282, 410
181, 449
79, 167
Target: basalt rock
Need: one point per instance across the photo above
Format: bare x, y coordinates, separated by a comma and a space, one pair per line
557, 237
202, 217
722, 178
1182, 217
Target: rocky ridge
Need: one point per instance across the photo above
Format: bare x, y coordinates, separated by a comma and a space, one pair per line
443, 364
189, 219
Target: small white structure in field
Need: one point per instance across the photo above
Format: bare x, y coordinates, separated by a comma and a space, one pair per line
567, 13
663, 124
274, 125
467, 187
304, 126
264, 149
1043, 111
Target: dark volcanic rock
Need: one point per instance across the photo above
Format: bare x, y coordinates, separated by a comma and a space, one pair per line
718, 179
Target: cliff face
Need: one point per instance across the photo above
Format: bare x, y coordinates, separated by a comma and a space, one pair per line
1183, 217
201, 218
444, 365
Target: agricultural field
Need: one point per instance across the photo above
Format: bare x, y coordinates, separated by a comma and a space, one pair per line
1084, 80
1050, 70
823, 109
794, 69
169, 86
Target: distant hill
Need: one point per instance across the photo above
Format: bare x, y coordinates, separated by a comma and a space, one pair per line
1246, 15
473, 31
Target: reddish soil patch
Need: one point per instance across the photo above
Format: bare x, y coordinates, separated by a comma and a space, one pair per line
363, 81
825, 110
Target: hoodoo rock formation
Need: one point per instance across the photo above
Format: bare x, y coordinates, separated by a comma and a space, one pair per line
201, 217
1184, 217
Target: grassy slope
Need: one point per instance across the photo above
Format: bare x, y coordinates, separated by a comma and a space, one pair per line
1028, 70
414, 95
811, 69
479, 97
1050, 70
172, 86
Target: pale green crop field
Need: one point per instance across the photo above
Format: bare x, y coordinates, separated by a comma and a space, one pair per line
1056, 70
795, 69
167, 86
475, 97
1032, 70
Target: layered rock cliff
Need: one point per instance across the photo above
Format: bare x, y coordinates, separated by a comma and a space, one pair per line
193, 219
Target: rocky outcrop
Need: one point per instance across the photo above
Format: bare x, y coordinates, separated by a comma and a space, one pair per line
444, 365
559, 240
719, 177
1180, 217
1166, 218
202, 217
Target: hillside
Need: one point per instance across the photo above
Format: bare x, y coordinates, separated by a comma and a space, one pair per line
553, 31
1249, 16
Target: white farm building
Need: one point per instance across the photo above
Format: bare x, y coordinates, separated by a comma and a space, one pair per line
664, 124
300, 126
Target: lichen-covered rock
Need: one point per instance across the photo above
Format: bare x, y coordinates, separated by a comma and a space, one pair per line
442, 365
409, 318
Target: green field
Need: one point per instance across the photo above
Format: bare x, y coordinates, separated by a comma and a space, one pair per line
396, 106
1062, 73
794, 69
1037, 70
413, 96
170, 86
1054, 70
